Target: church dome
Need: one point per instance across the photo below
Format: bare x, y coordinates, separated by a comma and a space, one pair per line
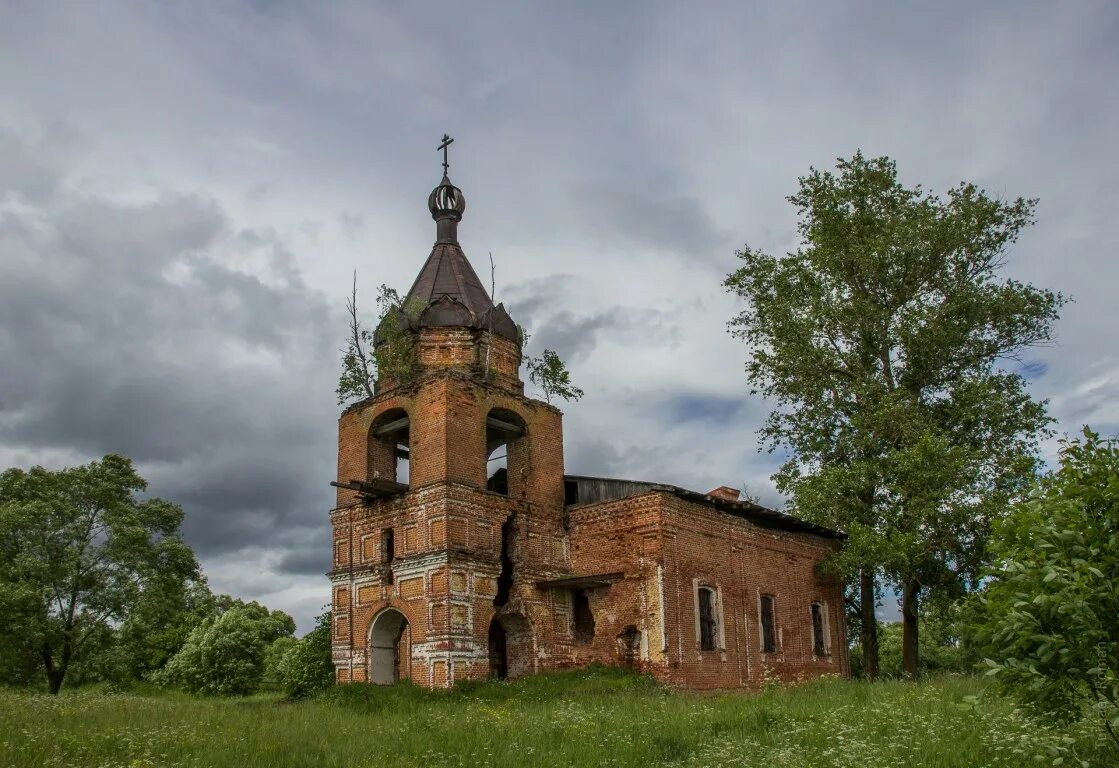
446, 201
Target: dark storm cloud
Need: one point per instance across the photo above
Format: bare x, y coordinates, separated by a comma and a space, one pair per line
543, 307
308, 553
127, 327
712, 409
638, 215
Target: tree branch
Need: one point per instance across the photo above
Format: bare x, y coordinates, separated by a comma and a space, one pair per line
355, 335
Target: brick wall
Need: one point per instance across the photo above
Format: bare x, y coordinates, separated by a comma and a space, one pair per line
427, 615
667, 548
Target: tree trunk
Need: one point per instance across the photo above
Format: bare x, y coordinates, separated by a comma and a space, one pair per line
54, 675
909, 654
868, 630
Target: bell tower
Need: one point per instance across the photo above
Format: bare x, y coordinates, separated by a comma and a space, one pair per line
450, 489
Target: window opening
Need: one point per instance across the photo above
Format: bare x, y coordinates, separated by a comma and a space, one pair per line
505, 449
582, 618
819, 644
389, 452
769, 634
498, 480
570, 492
708, 622
403, 463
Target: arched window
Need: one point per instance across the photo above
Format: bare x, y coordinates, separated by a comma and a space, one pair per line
707, 606
768, 622
389, 447
820, 629
506, 452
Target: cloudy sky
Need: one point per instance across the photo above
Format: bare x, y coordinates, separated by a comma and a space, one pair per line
186, 189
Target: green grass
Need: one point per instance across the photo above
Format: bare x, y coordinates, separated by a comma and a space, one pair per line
599, 717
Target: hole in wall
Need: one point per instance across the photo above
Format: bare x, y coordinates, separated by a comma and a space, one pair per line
582, 618
505, 578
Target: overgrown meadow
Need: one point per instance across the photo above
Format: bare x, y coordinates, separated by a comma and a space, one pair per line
598, 717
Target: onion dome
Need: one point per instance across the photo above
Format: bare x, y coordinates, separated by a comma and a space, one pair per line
446, 203
446, 200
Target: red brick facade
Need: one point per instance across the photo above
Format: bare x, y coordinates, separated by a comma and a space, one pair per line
626, 573
466, 573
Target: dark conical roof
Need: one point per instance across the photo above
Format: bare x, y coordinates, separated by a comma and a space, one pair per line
448, 288
447, 272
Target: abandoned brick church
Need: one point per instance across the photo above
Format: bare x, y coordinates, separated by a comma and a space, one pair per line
451, 563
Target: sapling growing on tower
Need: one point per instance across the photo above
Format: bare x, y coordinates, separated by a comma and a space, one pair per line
550, 374
388, 351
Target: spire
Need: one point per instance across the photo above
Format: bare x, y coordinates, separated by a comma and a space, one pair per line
448, 287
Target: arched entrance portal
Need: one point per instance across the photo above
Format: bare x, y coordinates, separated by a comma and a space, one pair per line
511, 651
390, 647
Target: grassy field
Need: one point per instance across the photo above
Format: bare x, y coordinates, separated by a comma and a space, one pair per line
591, 718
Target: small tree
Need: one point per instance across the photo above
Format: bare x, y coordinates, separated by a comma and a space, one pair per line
225, 655
550, 374
388, 351
79, 555
307, 666
1052, 607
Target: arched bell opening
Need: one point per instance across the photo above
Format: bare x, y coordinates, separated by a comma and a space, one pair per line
506, 452
390, 647
390, 452
511, 647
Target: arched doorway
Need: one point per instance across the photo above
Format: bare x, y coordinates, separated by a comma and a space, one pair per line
390, 647
511, 648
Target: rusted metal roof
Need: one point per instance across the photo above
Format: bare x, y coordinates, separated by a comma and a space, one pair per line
447, 273
586, 491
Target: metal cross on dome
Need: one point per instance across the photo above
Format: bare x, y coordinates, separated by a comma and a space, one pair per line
447, 141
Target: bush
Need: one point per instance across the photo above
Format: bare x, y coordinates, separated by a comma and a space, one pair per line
272, 679
225, 655
306, 667
1052, 609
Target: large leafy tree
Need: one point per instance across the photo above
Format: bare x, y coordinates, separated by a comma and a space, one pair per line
1052, 605
79, 553
884, 340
